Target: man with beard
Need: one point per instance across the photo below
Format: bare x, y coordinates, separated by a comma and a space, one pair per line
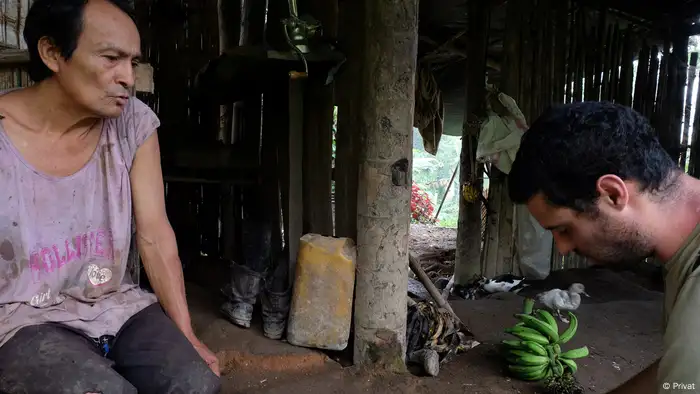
595, 175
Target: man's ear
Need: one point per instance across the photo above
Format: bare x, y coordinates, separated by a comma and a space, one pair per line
612, 191
50, 54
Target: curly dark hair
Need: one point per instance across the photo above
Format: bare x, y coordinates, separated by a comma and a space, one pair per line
62, 22
570, 146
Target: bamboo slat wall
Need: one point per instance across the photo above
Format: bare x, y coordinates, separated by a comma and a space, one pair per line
178, 38
12, 15
598, 63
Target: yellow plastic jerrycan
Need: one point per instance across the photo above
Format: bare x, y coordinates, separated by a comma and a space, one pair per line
321, 310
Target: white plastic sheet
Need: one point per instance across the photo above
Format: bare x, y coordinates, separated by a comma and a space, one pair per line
499, 140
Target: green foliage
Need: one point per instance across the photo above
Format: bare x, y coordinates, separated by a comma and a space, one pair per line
431, 174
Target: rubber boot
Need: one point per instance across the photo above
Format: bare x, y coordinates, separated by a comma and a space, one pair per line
428, 358
242, 293
276, 299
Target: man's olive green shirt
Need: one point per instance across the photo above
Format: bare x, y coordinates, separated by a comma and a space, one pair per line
679, 369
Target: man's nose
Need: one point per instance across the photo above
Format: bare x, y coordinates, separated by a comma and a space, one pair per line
125, 76
564, 246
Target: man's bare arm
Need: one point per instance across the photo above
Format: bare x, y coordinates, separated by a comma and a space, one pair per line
155, 236
642, 383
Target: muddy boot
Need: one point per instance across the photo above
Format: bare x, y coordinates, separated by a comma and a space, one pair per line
428, 358
276, 299
242, 293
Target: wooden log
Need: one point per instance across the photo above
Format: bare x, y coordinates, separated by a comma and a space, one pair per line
415, 266
384, 191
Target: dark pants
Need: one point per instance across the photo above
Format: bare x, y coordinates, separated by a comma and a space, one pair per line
148, 355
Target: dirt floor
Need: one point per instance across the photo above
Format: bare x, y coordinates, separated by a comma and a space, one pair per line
620, 323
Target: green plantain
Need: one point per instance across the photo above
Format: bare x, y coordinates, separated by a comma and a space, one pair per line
528, 334
525, 358
571, 330
570, 364
543, 328
575, 353
535, 348
548, 318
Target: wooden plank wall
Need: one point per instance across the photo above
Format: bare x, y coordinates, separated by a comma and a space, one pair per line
569, 53
178, 38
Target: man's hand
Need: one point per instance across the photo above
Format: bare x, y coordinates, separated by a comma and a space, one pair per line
206, 354
157, 244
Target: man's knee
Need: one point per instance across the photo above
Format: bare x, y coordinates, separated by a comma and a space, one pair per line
199, 379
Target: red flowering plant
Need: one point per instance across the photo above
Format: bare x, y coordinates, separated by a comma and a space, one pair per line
421, 206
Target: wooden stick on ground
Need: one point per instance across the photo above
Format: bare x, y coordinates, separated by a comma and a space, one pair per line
425, 280
448, 289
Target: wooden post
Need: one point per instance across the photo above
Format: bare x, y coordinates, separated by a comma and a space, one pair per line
499, 226
384, 191
467, 262
349, 96
229, 18
294, 203
318, 131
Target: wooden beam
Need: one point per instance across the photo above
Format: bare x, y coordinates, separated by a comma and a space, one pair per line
14, 57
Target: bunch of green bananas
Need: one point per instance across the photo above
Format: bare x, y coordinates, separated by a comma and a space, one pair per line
536, 354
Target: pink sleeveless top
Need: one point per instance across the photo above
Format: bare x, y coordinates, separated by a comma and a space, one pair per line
65, 241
